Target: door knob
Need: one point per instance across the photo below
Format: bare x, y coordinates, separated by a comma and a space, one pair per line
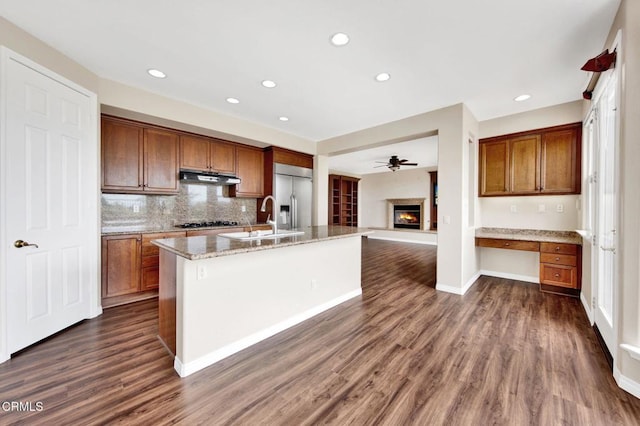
20, 244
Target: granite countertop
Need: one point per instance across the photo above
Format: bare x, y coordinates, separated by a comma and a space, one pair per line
150, 229
568, 237
203, 247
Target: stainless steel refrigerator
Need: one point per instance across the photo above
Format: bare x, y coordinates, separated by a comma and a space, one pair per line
293, 191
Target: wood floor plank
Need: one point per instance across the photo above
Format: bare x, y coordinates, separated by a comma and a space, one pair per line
401, 354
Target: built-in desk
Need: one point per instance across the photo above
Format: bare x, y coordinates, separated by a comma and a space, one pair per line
560, 254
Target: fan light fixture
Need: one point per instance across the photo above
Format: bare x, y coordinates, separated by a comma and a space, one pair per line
395, 162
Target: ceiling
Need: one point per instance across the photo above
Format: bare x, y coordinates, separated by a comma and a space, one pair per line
439, 53
423, 151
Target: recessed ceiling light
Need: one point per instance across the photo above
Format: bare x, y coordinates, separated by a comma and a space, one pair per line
233, 101
283, 118
156, 73
269, 84
521, 98
383, 76
339, 39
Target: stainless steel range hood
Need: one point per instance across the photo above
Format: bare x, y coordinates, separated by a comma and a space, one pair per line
190, 176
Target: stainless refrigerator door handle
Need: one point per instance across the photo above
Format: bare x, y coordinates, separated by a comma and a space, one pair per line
294, 205
292, 211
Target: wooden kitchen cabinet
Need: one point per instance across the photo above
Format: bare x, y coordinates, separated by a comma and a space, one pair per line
120, 265
536, 162
560, 265
494, 173
122, 152
343, 200
207, 155
130, 267
160, 161
137, 158
150, 266
250, 169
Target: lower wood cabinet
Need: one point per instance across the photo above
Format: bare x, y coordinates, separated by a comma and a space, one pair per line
130, 265
120, 264
560, 265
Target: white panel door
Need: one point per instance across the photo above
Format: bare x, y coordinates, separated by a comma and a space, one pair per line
50, 203
606, 134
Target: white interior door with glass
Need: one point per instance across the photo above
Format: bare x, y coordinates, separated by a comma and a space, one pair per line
49, 196
601, 140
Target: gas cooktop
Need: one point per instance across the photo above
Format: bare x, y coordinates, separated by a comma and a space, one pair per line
207, 224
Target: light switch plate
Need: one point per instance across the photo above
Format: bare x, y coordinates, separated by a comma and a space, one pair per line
542, 208
513, 208
560, 208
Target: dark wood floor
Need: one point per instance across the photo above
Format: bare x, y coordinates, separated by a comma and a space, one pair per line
403, 354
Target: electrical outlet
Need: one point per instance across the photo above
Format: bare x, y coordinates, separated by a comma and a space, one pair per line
243, 208
513, 208
560, 208
202, 272
542, 208
136, 208
314, 284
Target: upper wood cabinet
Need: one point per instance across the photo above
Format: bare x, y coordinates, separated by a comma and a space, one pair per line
250, 169
122, 153
160, 161
207, 154
536, 162
137, 158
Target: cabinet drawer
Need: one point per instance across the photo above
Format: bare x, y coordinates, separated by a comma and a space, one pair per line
559, 275
150, 261
559, 248
559, 259
149, 249
508, 244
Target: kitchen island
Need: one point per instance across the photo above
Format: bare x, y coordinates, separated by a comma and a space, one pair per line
219, 296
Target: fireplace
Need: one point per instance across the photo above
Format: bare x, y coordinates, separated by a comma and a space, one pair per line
407, 216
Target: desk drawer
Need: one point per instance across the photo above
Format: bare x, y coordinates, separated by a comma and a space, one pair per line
559, 259
559, 248
559, 275
508, 244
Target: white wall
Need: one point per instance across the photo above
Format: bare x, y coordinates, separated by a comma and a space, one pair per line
375, 188
497, 212
457, 256
628, 271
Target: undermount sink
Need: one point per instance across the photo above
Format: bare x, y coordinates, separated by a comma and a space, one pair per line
260, 235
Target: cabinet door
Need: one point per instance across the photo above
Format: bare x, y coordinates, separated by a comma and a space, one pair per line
560, 166
194, 153
160, 161
223, 157
494, 168
120, 264
524, 164
249, 168
122, 145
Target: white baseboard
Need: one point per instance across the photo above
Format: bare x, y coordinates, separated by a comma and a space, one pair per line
429, 243
230, 349
626, 383
458, 290
587, 308
526, 278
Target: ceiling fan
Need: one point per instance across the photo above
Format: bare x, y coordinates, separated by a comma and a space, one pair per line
394, 163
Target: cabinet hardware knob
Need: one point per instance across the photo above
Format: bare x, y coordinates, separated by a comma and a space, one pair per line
557, 259
557, 275
558, 248
506, 244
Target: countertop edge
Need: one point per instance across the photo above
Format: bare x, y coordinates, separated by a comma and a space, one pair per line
247, 249
535, 235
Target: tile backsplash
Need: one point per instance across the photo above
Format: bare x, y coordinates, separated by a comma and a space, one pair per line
194, 203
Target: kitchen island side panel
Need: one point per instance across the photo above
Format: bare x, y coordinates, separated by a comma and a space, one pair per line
225, 304
167, 300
